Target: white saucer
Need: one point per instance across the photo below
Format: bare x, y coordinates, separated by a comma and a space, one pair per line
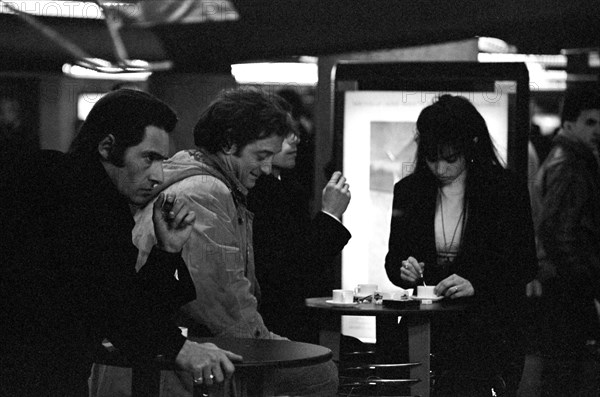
419, 298
334, 303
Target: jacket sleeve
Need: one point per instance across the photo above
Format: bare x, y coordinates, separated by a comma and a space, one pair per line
504, 242
401, 242
133, 310
158, 291
318, 243
328, 236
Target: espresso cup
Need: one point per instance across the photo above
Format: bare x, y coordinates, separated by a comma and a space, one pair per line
343, 296
363, 290
426, 292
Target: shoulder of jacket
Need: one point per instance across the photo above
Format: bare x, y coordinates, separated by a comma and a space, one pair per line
414, 184
199, 185
562, 160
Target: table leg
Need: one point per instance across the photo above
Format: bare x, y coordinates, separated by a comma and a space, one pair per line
419, 349
390, 341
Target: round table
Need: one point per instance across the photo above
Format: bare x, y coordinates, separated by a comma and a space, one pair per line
418, 322
252, 377
262, 356
270, 352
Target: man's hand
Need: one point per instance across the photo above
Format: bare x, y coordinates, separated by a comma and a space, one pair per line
173, 222
207, 363
336, 195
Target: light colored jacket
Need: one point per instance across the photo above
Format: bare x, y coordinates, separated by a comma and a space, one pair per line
219, 253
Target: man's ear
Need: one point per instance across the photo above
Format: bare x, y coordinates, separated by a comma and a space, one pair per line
230, 149
106, 145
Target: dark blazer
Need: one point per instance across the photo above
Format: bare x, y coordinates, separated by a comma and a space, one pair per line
497, 253
69, 279
295, 256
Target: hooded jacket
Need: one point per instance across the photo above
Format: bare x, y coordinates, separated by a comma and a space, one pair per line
219, 253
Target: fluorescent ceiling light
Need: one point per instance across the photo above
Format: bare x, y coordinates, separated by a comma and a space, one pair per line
80, 72
555, 61
66, 9
541, 79
276, 73
546, 72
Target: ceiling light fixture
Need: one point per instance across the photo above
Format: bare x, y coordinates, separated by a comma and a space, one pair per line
276, 73
81, 72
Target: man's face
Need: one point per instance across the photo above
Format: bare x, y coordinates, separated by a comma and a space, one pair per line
142, 166
586, 128
286, 159
255, 159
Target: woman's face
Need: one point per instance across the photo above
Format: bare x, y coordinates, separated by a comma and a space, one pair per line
447, 165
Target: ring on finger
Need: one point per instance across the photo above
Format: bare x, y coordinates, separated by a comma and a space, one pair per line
211, 376
198, 379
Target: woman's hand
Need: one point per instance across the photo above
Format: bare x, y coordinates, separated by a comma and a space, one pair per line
411, 270
454, 286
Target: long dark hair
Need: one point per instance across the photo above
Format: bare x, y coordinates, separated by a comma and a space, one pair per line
452, 122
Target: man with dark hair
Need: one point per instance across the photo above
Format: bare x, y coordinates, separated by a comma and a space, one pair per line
237, 137
124, 116
566, 211
69, 278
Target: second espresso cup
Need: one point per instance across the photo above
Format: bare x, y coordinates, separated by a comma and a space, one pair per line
343, 295
426, 292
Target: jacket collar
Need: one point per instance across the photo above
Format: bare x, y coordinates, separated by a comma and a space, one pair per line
577, 148
200, 162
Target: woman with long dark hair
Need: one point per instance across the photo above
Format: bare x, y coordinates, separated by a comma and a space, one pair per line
462, 223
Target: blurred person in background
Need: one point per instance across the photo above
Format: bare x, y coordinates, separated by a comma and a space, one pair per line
16, 138
566, 209
304, 170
